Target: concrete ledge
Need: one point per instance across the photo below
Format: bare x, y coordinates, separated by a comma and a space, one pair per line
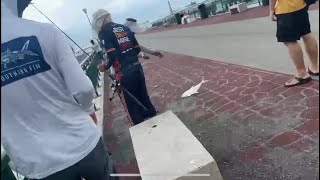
166, 149
99, 101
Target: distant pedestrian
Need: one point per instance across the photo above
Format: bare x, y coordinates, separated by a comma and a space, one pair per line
136, 29
292, 24
96, 47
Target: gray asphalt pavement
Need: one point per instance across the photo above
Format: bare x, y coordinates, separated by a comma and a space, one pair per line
249, 42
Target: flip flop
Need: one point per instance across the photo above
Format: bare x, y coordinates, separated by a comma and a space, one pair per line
300, 81
313, 73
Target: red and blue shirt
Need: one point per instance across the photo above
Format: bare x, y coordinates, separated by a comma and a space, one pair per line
120, 44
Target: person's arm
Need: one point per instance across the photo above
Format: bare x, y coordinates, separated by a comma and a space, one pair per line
110, 50
149, 51
272, 5
72, 73
145, 49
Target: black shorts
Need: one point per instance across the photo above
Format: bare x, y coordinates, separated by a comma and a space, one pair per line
292, 26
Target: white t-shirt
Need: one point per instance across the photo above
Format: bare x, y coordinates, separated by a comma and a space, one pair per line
96, 47
43, 129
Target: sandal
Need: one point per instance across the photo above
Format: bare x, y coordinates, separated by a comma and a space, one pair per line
298, 81
313, 73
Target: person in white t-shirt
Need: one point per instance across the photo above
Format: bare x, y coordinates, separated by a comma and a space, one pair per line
96, 47
134, 27
45, 132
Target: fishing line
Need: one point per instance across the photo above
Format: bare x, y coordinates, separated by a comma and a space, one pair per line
60, 29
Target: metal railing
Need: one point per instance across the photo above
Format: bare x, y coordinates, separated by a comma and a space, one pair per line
86, 62
6, 172
89, 65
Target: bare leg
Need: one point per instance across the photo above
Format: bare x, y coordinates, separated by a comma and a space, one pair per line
296, 55
311, 46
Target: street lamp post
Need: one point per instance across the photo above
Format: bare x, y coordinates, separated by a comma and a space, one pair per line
85, 11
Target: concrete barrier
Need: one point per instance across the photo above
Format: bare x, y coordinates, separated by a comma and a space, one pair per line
99, 102
166, 149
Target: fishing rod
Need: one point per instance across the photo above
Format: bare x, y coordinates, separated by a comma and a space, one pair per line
70, 39
59, 29
115, 86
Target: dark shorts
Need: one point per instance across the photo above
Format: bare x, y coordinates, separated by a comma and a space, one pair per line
95, 166
292, 26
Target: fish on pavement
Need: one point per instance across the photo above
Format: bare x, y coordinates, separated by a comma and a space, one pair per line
193, 90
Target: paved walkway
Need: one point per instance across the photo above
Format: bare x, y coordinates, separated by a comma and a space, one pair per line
253, 126
251, 13
250, 42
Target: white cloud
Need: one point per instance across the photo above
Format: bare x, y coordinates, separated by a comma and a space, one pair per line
68, 14
123, 6
49, 9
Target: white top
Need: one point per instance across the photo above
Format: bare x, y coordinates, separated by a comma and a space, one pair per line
96, 47
43, 129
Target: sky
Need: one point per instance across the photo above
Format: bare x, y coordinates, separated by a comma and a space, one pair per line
68, 14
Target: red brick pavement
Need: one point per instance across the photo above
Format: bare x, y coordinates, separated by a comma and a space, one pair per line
257, 12
253, 126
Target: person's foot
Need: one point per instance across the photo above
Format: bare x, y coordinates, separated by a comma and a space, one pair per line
313, 72
296, 81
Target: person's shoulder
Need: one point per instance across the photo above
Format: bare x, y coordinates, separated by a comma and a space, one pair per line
125, 28
116, 24
32, 22
49, 28
105, 28
119, 25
